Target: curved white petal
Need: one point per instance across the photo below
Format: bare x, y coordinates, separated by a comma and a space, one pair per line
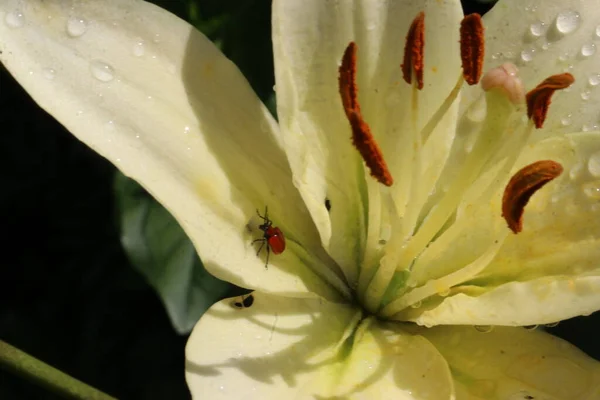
292, 348
515, 364
309, 40
537, 301
551, 270
547, 37
154, 96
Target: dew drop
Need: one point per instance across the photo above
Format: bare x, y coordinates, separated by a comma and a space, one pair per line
566, 120
564, 57
444, 293
594, 164
484, 328
588, 50
48, 73
186, 130
537, 29
14, 19
417, 304
597, 32
585, 94
76, 27
551, 325
591, 190
567, 21
138, 49
594, 80
530, 327
102, 71
527, 55
575, 171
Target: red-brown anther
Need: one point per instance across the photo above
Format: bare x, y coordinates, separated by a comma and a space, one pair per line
472, 48
538, 99
362, 138
414, 51
522, 186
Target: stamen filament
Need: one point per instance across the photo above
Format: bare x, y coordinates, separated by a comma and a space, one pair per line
494, 127
433, 287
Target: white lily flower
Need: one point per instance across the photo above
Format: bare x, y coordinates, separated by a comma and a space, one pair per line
367, 298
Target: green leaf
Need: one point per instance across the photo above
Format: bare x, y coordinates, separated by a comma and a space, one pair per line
160, 250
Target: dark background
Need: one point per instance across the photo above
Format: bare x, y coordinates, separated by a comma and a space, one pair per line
68, 294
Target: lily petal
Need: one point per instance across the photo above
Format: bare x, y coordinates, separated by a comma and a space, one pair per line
515, 363
309, 40
546, 37
552, 265
150, 93
280, 346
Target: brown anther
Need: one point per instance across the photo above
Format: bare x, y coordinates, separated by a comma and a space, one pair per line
522, 186
472, 48
362, 138
347, 79
414, 51
538, 99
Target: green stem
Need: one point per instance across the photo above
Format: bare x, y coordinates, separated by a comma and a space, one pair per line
40, 373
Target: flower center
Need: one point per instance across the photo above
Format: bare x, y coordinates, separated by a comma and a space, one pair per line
393, 276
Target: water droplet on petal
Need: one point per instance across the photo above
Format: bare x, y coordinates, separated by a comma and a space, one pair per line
566, 120
564, 57
102, 71
585, 94
527, 55
138, 48
594, 80
76, 27
417, 304
14, 19
551, 325
575, 171
484, 328
186, 130
588, 50
591, 190
48, 73
567, 21
537, 29
594, 164
530, 327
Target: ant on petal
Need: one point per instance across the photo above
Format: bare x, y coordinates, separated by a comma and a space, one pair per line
272, 237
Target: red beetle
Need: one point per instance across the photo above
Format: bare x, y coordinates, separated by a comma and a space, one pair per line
272, 236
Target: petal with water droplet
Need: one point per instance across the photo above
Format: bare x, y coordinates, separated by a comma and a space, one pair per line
568, 46
180, 119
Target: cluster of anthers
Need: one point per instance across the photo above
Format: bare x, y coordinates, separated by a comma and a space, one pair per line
501, 87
